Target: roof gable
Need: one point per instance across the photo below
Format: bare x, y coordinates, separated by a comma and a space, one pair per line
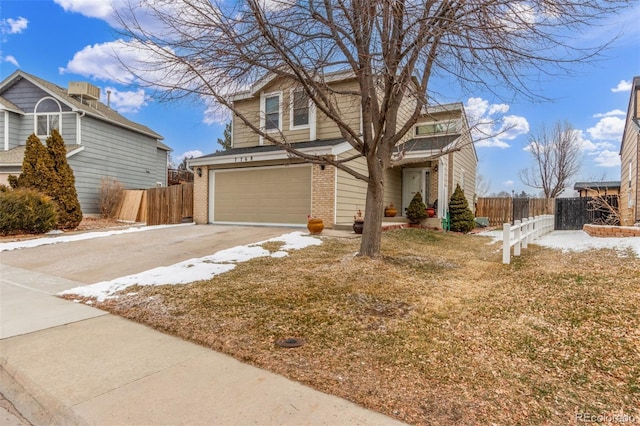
96, 109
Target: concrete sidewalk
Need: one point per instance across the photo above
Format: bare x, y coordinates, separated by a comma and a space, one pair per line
66, 363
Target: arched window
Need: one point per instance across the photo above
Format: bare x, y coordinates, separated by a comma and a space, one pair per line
47, 117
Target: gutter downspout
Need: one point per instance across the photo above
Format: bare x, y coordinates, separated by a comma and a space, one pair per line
79, 126
6, 130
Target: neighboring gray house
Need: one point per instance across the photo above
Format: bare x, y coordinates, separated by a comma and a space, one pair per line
100, 142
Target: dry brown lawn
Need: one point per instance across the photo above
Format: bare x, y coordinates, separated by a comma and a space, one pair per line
437, 332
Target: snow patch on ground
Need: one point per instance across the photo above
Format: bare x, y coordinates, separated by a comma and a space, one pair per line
577, 241
196, 269
61, 238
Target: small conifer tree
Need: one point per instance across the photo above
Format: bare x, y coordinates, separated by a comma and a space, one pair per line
62, 187
462, 219
417, 211
37, 167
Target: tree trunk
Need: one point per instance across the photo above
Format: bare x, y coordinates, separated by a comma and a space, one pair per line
372, 232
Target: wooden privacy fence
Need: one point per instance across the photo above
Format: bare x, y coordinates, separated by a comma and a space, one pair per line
522, 233
507, 209
574, 213
170, 205
158, 206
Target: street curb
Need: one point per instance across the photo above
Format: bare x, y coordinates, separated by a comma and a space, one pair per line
33, 403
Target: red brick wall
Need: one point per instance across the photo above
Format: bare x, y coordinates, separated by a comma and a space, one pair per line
612, 231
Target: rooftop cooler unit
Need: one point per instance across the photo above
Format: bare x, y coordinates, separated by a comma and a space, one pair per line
84, 90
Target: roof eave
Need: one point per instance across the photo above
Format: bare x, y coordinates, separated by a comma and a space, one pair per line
280, 154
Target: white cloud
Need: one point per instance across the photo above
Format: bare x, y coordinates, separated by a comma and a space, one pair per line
13, 26
124, 101
594, 147
12, 60
101, 62
623, 86
214, 113
508, 183
194, 153
585, 144
101, 9
490, 127
608, 128
612, 113
607, 158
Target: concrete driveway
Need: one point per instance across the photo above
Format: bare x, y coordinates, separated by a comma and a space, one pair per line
99, 259
68, 363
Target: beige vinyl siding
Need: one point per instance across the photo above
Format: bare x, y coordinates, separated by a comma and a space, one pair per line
404, 113
466, 160
350, 192
630, 154
278, 195
393, 188
348, 108
243, 136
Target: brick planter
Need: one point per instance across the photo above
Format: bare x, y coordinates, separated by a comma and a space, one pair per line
611, 231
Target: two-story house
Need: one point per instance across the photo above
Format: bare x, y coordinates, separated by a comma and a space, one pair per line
256, 182
99, 141
629, 158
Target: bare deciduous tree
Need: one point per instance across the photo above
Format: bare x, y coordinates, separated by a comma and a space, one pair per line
393, 48
556, 159
605, 207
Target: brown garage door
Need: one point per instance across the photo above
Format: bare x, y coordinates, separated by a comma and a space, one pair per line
262, 195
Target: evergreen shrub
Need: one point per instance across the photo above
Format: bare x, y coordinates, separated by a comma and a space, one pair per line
462, 218
26, 211
417, 211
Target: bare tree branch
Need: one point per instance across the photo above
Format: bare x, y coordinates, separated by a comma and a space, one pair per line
556, 159
212, 49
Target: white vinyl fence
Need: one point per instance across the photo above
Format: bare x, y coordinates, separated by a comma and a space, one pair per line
522, 233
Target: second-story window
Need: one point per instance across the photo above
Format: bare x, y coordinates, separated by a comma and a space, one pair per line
429, 129
47, 117
272, 112
300, 109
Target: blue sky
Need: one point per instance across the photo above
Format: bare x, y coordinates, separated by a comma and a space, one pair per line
69, 40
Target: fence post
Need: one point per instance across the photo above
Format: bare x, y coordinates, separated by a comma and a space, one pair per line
506, 244
525, 231
517, 238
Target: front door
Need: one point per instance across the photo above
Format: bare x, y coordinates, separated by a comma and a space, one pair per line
412, 182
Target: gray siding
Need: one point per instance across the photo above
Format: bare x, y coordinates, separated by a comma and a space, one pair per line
15, 123
26, 96
23, 127
161, 166
111, 151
